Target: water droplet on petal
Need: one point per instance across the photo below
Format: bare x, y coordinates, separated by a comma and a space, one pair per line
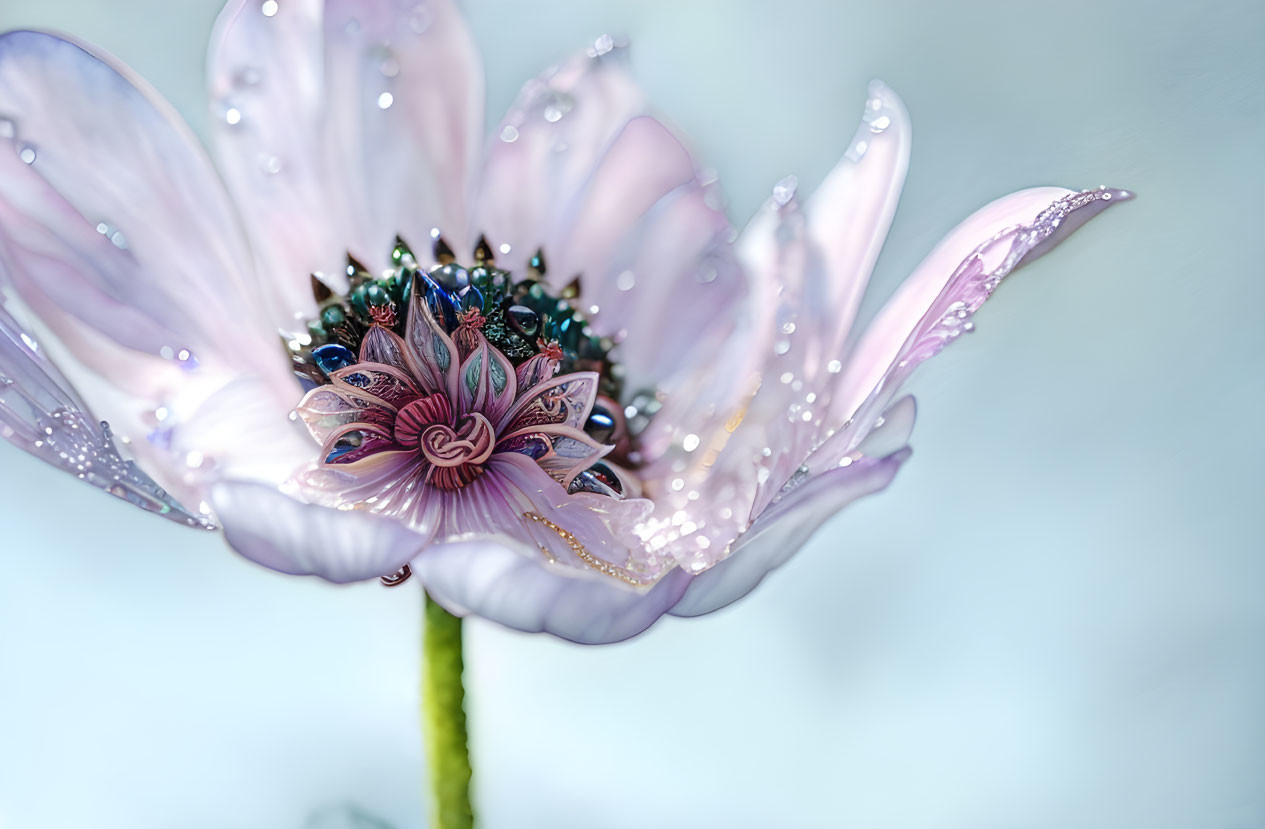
385, 100
27, 154
270, 8
626, 280
784, 190
419, 20
603, 45
509, 134
880, 123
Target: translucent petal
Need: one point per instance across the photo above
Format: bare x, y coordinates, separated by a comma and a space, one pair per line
300, 539
504, 582
122, 252
782, 530
544, 150
552, 586
41, 415
340, 124
935, 304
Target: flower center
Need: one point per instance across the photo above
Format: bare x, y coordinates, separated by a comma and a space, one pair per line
539, 331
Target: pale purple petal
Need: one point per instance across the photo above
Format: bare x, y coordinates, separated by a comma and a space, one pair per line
851, 210
644, 163
935, 304
502, 581
300, 539
120, 248
341, 123
821, 256
822, 253
782, 530
546, 147
41, 414
815, 262
530, 577
109, 181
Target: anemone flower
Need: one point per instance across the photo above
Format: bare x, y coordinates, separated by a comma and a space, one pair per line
540, 373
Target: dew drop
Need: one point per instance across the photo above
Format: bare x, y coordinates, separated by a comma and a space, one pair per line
626, 280
781, 347
834, 367
509, 134
557, 106
269, 8
270, 164
880, 123
232, 116
784, 190
27, 155
385, 100
419, 21
603, 45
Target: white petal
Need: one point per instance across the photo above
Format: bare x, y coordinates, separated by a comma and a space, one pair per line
509, 583
121, 250
935, 303
782, 530
41, 414
340, 124
300, 539
819, 258
544, 150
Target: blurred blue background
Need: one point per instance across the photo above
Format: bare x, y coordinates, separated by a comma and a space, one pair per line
1053, 618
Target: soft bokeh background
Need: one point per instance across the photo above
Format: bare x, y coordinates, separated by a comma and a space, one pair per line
1052, 619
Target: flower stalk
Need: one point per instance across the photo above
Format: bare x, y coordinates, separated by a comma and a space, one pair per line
444, 720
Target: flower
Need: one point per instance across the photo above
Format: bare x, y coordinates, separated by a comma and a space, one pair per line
648, 424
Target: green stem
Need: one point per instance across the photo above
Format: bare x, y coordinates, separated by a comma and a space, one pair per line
444, 721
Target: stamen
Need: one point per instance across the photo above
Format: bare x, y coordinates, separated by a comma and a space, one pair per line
603, 567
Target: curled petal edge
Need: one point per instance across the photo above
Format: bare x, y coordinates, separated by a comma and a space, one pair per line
782, 529
289, 536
